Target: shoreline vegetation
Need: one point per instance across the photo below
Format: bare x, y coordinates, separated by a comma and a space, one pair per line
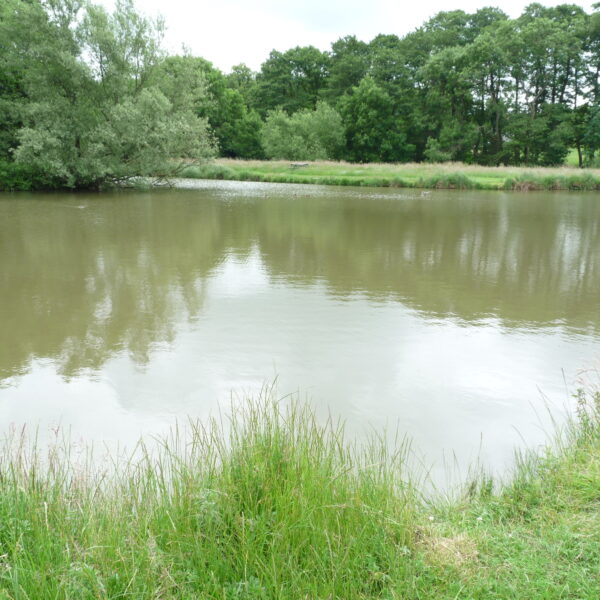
274, 505
408, 175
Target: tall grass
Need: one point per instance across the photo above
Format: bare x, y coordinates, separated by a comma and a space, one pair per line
275, 505
413, 175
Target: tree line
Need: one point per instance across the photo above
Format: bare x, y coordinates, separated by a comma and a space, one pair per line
480, 88
88, 96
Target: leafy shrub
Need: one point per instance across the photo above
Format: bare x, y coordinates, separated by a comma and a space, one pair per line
434, 153
305, 135
18, 176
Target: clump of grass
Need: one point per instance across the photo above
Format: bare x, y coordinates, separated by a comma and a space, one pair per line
523, 182
553, 182
583, 181
276, 506
542, 528
208, 171
446, 181
398, 182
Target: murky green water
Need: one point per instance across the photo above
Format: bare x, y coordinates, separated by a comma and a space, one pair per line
453, 316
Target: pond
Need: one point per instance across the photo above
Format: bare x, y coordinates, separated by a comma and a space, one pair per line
463, 320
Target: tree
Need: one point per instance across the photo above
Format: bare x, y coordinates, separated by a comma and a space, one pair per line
487, 74
592, 68
243, 79
458, 28
292, 80
238, 129
591, 137
543, 140
305, 135
349, 63
89, 110
373, 130
196, 81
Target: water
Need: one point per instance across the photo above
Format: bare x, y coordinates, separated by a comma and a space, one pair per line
456, 318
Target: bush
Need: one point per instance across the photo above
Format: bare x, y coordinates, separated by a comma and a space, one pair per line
434, 153
18, 176
305, 135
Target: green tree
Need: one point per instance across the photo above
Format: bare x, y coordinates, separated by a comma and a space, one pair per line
89, 113
348, 64
579, 123
458, 28
447, 102
591, 137
195, 80
435, 153
305, 135
374, 132
243, 79
238, 129
543, 140
292, 80
592, 68
487, 74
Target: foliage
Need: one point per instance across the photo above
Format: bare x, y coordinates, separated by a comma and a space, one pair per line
348, 64
474, 87
373, 129
87, 112
236, 128
591, 137
306, 135
434, 153
291, 80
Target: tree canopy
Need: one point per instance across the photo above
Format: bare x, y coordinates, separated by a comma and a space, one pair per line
81, 105
477, 87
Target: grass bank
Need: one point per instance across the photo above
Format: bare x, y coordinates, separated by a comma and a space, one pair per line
421, 175
281, 507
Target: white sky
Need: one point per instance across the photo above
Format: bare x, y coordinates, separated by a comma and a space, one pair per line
229, 32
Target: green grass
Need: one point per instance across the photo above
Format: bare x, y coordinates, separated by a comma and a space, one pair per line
278, 506
572, 159
421, 175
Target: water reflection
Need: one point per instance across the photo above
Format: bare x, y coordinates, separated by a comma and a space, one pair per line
84, 277
446, 312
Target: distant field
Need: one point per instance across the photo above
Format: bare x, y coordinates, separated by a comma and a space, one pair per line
410, 175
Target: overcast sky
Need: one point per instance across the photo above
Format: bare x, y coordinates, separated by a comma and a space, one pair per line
228, 32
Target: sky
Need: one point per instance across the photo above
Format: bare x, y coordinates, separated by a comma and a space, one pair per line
229, 32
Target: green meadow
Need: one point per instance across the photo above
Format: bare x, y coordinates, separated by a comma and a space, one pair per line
410, 175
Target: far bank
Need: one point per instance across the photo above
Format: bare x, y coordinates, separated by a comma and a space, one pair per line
407, 175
